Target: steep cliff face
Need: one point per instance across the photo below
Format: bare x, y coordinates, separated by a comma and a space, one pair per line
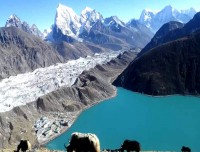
171, 68
22, 52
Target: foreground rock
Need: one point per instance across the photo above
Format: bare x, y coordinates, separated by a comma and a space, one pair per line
90, 88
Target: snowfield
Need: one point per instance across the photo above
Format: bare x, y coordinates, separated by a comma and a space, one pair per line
24, 88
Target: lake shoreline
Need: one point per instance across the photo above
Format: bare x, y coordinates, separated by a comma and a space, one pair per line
62, 131
150, 121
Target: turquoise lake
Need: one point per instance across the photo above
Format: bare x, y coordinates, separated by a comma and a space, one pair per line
158, 123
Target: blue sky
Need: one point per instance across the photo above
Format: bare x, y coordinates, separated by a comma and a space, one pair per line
42, 12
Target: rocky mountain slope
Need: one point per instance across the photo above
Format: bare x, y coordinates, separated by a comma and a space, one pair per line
14, 21
163, 35
171, 68
76, 50
22, 52
172, 31
91, 87
60, 43
155, 19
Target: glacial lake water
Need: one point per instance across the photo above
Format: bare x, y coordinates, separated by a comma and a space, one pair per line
158, 123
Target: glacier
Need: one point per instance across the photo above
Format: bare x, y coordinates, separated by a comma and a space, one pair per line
24, 88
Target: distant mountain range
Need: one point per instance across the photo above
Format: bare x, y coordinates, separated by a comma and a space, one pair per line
113, 33
155, 19
73, 36
169, 63
91, 27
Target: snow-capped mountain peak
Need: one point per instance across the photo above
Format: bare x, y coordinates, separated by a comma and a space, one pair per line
146, 17
87, 9
15, 17
169, 10
155, 19
67, 20
13, 20
90, 15
113, 20
88, 18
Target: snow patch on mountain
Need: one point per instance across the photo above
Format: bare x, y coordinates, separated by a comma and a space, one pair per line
24, 88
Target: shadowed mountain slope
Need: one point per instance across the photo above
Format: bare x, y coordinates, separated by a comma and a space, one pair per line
172, 31
172, 68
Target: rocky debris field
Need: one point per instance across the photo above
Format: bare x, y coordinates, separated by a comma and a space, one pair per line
91, 87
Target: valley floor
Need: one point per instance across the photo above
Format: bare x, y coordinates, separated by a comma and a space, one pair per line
45, 119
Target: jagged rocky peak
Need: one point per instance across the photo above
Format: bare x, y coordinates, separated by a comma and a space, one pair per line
91, 15
114, 23
169, 9
167, 14
47, 33
67, 20
13, 20
88, 18
36, 31
132, 23
114, 20
146, 16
